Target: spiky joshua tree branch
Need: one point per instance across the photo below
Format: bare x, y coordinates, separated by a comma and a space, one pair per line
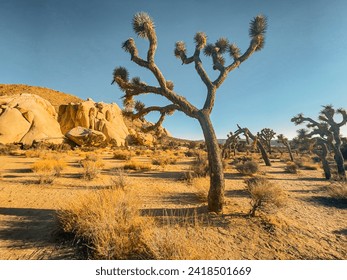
143, 26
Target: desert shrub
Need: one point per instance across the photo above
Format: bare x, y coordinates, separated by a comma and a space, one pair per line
337, 190
247, 168
109, 223
306, 163
120, 179
122, 155
200, 165
137, 166
201, 187
48, 169
291, 167
265, 196
8, 149
33, 153
190, 153
92, 166
164, 160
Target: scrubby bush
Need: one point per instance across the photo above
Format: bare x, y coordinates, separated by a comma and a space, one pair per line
291, 167
338, 190
200, 188
265, 196
48, 169
200, 165
92, 166
247, 168
109, 224
164, 160
8, 149
120, 179
122, 155
137, 166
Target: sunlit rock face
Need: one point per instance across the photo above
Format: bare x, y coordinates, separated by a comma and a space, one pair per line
97, 116
25, 118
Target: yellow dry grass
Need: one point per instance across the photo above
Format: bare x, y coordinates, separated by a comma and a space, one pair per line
110, 224
137, 165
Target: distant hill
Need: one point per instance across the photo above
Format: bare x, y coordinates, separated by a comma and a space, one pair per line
55, 97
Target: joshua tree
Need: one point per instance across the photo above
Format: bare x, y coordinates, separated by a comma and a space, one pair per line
265, 136
230, 145
143, 26
322, 151
330, 129
248, 134
282, 139
319, 146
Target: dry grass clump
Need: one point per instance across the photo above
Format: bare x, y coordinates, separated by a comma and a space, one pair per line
291, 167
137, 166
122, 155
265, 196
33, 153
247, 168
200, 165
109, 224
305, 164
48, 169
8, 149
119, 180
92, 166
200, 187
164, 160
338, 190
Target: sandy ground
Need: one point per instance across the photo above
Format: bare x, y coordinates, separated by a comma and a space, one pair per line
311, 226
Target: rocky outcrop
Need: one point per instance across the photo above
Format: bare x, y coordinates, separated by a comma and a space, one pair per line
86, 137
25, 118
29, 117
97, 116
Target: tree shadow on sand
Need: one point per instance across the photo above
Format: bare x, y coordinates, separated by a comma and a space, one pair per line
328, 201
32, 229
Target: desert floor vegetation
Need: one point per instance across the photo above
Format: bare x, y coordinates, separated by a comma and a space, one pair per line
168, 216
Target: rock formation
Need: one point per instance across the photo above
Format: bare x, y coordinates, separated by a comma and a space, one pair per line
28, 117
86, 137
98, 116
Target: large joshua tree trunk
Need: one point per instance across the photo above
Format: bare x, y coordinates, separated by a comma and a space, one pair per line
217, 185
338, 157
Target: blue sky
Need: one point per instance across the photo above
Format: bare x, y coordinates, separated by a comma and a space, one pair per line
73, 46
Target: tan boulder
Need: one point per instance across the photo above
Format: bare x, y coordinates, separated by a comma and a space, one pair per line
99, 116
86, 137
26, 118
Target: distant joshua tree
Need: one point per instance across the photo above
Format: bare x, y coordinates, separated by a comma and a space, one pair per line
230, 145
329, 130
143, 26
246, 132
265, 136
284, 140
319, 146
